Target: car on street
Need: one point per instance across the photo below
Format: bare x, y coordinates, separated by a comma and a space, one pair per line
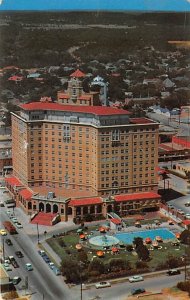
7, 267
28, 267
137, 291
136, 278
14, 220
56, 271
19, 225
173, 272
5, 192
41, 252
16, 280
14, 263
51, 265
8, 242
102, 284
19, 254
8, 212
46, 258
3, 232
187, 216
187, 204
2, 204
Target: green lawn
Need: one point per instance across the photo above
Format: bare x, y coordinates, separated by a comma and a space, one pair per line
65, 248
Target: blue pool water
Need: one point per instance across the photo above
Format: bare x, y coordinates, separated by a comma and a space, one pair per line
128, 238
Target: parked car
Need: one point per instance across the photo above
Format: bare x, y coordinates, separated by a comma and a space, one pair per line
56, 271
51, 265
187, 204
137, 291
3, 232
102, 284
187, 216
173, 272
4, 192
7, 267
136, 278
14, 263
28, 267
8, 242
46, 258
41, 252
2, 204
16, 280
14, 220
19, 225
19, 254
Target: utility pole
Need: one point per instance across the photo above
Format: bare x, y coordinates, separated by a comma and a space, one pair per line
38, 233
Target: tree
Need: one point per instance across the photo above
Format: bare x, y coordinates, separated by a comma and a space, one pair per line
96, 265
185, 237
143, 252
82, 256
71, 270
118, 264
138, 241
172, 262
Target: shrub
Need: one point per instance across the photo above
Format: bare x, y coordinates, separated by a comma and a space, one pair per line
141, 265
184, 286
129, 248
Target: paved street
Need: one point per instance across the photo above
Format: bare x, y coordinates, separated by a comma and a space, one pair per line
120, 291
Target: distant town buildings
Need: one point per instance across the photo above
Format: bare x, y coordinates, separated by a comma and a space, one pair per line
74, 95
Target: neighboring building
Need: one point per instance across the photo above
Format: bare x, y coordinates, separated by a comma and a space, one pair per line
80, 151
115, 224
181, 141
5, 154
5, 284
74, 95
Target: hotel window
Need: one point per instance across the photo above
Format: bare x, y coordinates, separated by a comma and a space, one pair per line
115, 135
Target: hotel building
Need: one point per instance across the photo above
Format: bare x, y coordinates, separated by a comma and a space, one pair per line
83, 152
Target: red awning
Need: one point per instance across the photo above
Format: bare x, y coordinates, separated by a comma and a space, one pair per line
26, 194
85, 201
137, 196
13, 181
116, 221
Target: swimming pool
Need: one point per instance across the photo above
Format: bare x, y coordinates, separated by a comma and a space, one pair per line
128, 237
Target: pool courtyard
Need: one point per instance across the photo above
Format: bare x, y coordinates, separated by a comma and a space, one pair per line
128, 237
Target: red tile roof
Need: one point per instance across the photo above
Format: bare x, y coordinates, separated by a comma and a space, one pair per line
96, 110
85, 201
78, 74
13, 181
26, 194
137, 196
85, 97
63, 95
115, 221
186, 222
15, 78
43, 219
141, 121
165, 147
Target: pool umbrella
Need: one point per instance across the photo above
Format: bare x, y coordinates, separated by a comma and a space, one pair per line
177, 235
155, 244
100, 253
171, 222
114, 249
79, 230
82, 236
78, 246
148, 240
159, 239
102, 229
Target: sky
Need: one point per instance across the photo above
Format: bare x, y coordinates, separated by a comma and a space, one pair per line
110, 5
